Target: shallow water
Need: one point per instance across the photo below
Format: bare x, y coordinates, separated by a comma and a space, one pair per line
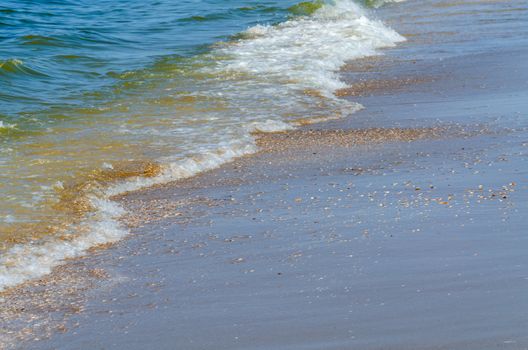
401, 246
102, 98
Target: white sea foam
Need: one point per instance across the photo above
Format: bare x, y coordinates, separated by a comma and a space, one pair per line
306, 52
269, 126
279, 64
6, 125
33, 260
28, 261
186, 167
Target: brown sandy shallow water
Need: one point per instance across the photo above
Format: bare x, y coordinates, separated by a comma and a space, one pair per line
402, 227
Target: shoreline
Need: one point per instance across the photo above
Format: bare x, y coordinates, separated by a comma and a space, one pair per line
77, 213
172, 110
217, 189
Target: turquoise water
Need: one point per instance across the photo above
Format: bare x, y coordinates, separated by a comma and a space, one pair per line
103, 97
68, 65
63, 53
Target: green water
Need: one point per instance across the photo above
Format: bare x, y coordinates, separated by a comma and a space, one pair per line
100, 98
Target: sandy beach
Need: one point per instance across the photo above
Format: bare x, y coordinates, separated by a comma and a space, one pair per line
401, 227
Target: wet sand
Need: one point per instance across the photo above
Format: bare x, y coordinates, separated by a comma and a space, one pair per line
402, 227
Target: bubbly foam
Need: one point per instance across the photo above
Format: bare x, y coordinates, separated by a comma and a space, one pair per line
186, 167
6, 125
269, 126
278, 77
306, 52
33, 260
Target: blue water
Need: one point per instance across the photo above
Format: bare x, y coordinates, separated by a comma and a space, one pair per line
98, 98
71, 48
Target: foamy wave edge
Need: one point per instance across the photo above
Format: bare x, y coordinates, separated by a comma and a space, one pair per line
28, 261
6, 125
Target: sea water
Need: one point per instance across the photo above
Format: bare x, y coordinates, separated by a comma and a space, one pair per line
98, 98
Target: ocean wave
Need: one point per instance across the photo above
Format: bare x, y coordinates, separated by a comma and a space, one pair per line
279, 77
241, 11
16, 66
27, 261
306, 8
379, 3
305, 53
23, 262
6, 125
41, 40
